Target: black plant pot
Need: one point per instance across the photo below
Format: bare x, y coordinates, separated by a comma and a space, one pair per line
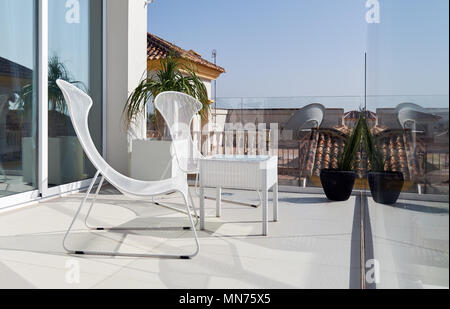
338, 185
386, 186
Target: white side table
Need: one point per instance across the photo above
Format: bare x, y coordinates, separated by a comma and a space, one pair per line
259, 173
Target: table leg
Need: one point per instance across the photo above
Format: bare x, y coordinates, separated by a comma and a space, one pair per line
202, 208
265, 223
275, 202
219, 202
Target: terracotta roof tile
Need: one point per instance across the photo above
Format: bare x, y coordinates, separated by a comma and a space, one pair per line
158, 48
355, 115
327, 144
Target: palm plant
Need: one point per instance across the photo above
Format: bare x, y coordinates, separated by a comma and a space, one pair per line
56, 70
172, 76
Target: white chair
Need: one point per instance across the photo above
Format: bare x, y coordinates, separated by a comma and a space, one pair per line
79, 105
178, 111
309, 117
414, 115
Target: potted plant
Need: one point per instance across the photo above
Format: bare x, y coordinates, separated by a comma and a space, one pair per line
151, 159
172, 76
338, 183
385, 185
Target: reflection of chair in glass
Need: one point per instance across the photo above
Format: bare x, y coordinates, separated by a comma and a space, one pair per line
309, 117
415, 117
79, 105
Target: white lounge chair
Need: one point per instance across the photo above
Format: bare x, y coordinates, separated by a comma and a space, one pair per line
178, 111
309, 117
414, 116
79, 105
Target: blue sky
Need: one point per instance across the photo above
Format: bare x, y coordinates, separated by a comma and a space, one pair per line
313, 47
282, 48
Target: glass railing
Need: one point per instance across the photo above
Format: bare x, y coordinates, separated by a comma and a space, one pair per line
416, 147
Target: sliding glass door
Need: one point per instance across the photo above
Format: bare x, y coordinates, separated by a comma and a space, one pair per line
18, 104
71, 33
75, 55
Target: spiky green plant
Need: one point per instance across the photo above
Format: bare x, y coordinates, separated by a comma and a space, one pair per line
352, 145
373, 153
172, 76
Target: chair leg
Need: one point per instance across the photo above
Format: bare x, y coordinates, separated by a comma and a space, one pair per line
93, 202
100, 253
125, 228
193, 207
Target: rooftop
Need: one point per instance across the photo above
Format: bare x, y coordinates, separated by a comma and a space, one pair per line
158, 48
355, 115
11, 69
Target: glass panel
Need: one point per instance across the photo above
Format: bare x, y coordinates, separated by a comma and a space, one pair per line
408, 76
75, 55
18, 108
306, 132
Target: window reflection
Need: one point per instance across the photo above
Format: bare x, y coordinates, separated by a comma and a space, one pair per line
408, 87
18, 109
75, 51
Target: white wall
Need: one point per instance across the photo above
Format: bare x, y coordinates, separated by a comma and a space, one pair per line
126, 63
196, 124
208, 86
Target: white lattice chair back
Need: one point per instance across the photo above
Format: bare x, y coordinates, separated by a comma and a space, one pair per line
79, 104
179, 110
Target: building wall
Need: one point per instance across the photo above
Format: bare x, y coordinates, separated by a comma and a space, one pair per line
333, 117
387, 117
126, 63
197, 123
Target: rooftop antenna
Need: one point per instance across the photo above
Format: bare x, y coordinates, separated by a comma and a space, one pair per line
214, 56
365, 84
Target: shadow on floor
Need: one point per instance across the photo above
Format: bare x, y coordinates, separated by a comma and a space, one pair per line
304, 200
421, 208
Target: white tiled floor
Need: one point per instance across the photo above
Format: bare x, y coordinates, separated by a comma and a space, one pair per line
411, 243
315, 244
310, 247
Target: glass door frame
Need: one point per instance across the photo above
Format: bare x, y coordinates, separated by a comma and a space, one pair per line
43, 190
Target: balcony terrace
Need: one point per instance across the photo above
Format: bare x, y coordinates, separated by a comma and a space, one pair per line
315, 244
